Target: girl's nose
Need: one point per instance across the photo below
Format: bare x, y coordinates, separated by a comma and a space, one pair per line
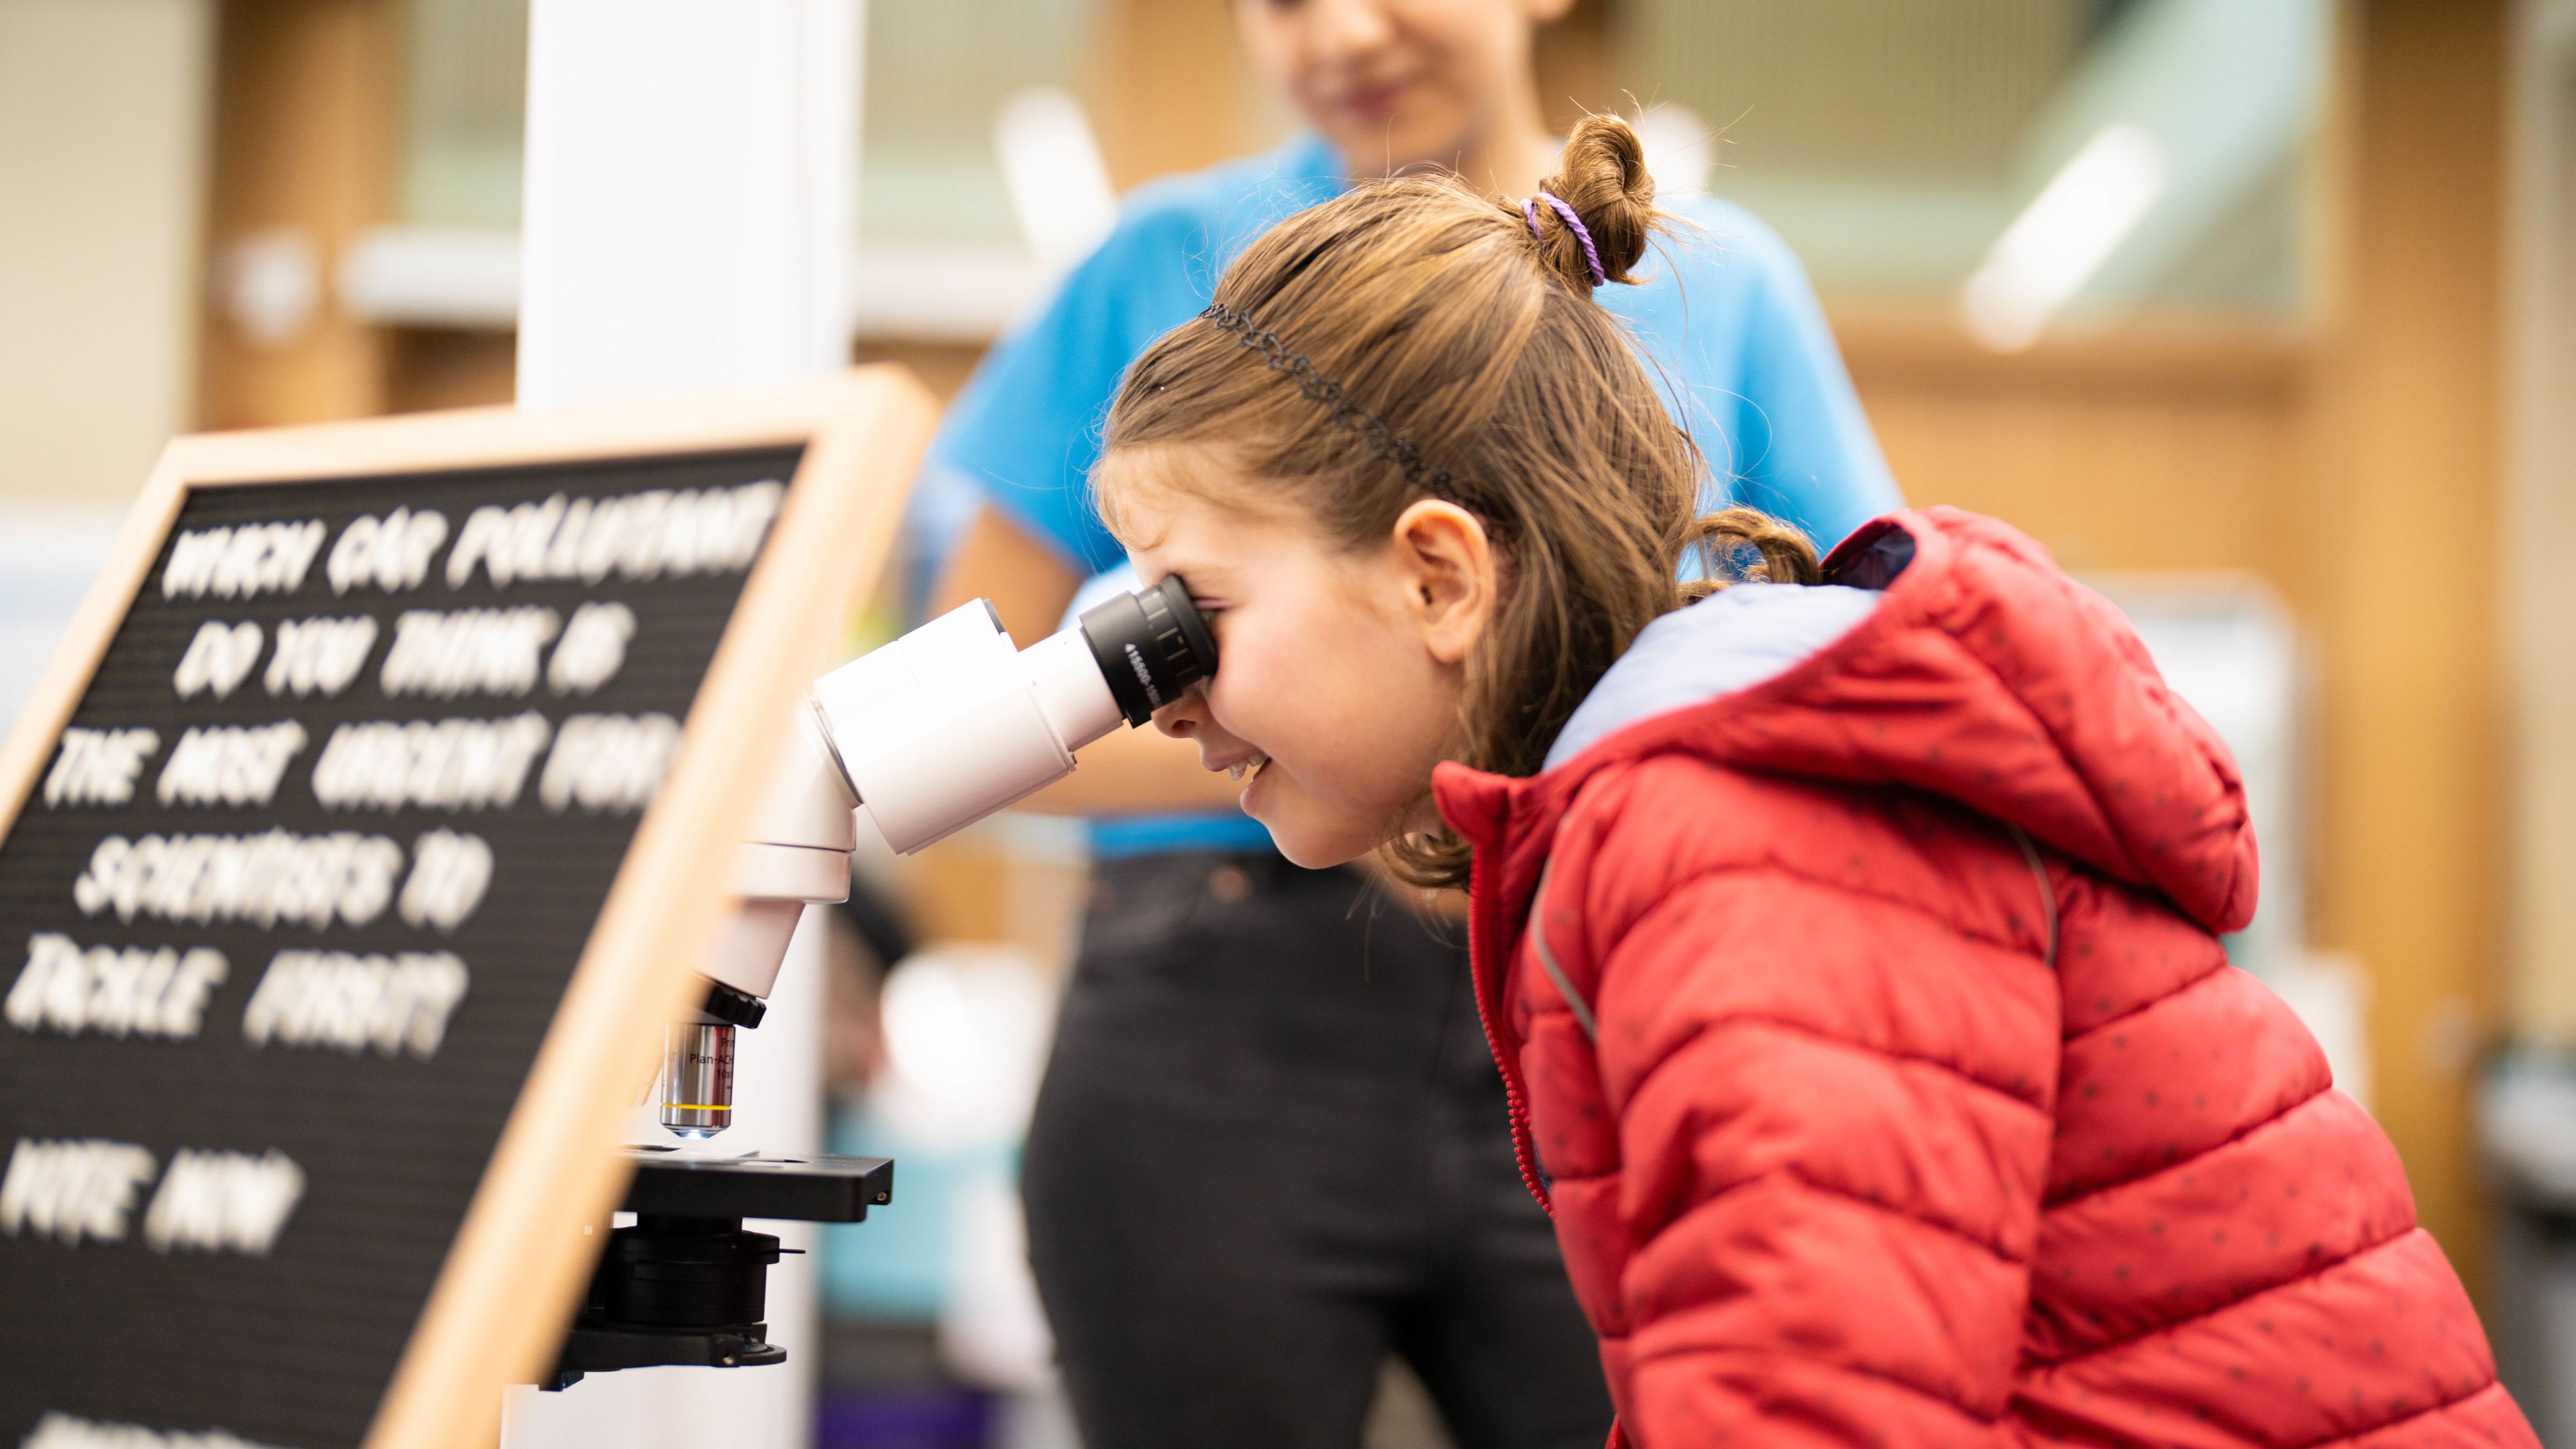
1182, 717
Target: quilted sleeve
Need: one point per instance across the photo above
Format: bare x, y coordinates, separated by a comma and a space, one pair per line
1833, 1135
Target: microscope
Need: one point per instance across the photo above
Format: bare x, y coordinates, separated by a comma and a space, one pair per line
925, 736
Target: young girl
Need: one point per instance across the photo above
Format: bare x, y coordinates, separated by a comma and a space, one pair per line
1847, 937
1261, 1164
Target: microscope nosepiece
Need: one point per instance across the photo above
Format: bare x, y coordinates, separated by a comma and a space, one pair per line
697, 1077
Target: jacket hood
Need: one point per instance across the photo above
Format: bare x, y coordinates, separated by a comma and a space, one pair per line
1957, 660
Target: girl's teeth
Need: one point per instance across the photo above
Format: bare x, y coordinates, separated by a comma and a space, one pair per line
1239, 768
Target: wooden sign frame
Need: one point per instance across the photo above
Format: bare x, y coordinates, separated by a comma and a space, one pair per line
519, 1261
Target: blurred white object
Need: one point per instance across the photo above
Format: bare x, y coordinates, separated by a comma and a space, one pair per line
2528, 1117
433, 276
1679, 149
992, 1332
1040, 1419
1059, 186
967, 1026
270, 283
420, 276
947, 295
2332, 997
2063, 236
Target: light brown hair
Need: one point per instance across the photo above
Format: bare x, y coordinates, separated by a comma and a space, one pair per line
1412, 339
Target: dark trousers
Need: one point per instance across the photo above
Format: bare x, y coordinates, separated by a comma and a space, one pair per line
1271, 1148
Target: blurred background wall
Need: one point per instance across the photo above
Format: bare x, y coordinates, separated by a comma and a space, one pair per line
2255, 310
99, 262
104, 131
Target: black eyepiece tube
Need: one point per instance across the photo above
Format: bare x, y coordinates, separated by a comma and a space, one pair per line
1150, 645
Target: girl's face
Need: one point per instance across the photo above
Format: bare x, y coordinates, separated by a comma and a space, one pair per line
1339, 673
1396, 83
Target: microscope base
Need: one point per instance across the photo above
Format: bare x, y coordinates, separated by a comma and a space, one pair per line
685, 1284
600, 1350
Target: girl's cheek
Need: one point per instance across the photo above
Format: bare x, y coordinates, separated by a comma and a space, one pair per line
1235, 701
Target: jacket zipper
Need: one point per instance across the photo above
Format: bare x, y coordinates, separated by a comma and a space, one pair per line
1524, 1149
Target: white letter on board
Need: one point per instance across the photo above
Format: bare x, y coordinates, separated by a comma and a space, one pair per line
114, 991
353, 1003
391, 553
212, 1201
97, 767
593, 648
454, 764
72, 1190
450, 871
229, 764
323, 654
217, 658
468, 651
608, 761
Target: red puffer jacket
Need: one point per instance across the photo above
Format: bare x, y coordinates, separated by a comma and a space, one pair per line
1837, 1155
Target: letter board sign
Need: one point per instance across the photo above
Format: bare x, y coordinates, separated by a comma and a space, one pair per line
356, 845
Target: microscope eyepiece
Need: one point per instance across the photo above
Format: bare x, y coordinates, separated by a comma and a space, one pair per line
1150, 645
952, 721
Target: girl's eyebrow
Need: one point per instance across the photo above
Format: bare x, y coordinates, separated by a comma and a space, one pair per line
1195, 568
1207, 584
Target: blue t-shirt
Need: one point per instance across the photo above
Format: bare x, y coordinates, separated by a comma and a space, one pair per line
1732, 332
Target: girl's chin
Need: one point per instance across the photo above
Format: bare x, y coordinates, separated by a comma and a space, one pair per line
1305, 841
1310, 854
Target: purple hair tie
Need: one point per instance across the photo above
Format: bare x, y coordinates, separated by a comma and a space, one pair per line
1591, 258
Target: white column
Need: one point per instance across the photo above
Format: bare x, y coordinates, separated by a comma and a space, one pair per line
690, 179
2540, 520
688, 226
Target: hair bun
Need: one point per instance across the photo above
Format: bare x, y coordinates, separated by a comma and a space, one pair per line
1603, 176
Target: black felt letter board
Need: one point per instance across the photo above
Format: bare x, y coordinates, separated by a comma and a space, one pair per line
224, 1211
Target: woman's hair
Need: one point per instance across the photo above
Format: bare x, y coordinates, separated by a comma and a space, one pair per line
1414, 340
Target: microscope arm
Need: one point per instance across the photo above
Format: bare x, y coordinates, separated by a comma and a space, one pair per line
796, 853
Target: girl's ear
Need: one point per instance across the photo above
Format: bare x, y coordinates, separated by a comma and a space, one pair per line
1446, 563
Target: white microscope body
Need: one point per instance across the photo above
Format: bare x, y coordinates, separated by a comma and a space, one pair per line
927, 735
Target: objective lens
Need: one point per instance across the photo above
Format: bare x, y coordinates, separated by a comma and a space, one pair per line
1150, 645
697, 1078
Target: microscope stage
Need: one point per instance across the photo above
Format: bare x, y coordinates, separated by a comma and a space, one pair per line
817, 1189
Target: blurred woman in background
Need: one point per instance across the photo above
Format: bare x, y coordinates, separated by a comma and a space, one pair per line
1272, 1146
